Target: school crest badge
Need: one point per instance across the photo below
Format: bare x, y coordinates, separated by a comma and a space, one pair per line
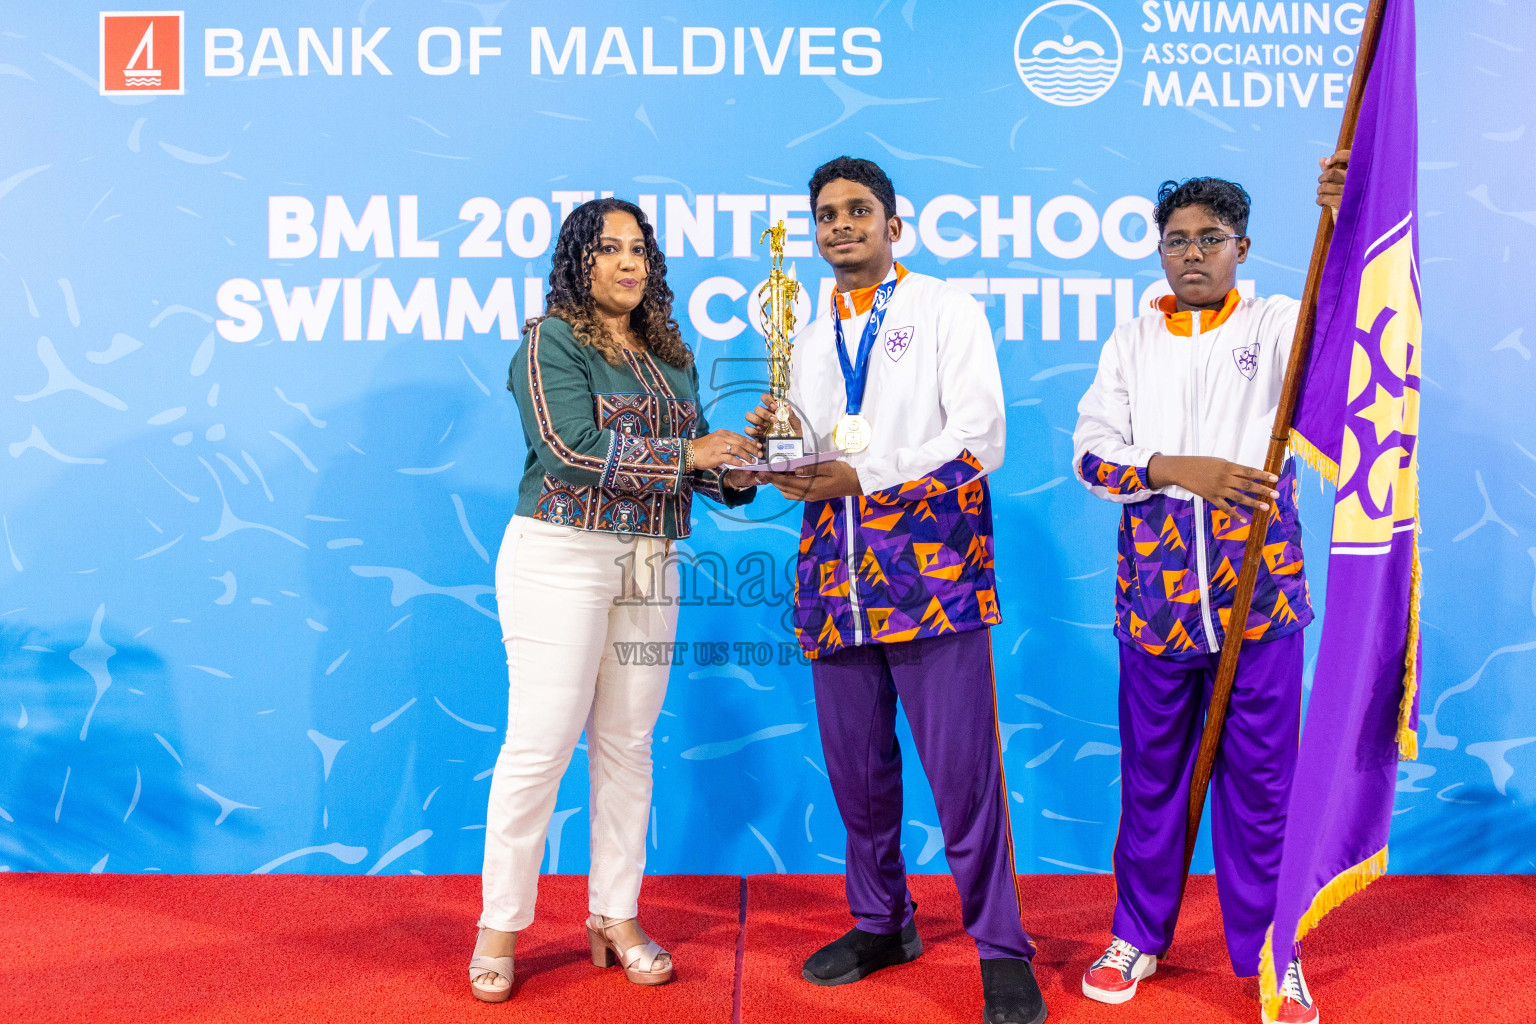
1247, 359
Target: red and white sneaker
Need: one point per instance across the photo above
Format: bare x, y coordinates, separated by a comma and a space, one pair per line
1296, 1006
1114, 976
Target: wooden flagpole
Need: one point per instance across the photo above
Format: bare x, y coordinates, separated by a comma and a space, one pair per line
1274, 460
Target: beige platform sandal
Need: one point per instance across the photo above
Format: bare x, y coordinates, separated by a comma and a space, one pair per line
643, 964
483, 969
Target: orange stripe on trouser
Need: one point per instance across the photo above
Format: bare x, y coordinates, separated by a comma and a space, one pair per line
1002, 778
945, 684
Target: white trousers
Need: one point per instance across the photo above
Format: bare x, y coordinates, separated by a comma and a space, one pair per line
561, 593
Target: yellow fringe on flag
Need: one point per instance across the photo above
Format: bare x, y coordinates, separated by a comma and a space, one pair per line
1407, 736
1269, 985
1313, 456
1345, 885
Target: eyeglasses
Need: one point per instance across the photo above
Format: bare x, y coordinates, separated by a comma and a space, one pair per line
1207, 244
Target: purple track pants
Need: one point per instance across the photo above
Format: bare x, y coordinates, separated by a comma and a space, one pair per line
1162, 712
946, 687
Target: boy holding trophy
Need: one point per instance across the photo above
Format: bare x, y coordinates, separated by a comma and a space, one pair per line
894, 588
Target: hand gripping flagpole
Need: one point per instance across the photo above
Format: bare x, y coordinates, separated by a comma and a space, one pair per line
1274, 460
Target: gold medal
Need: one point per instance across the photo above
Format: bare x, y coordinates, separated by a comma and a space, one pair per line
852, 433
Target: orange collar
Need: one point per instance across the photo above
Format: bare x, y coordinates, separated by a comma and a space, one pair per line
1181, 321
861, 298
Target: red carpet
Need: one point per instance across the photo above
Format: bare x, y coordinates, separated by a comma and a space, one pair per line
1453, 950
124, 949
117, 948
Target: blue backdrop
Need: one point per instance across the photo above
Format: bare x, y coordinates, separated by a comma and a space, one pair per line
246, 616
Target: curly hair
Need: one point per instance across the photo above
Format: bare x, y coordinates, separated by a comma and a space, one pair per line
859, 171
1228, 200
570, 288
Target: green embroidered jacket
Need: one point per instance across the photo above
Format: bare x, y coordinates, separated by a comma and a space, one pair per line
605, 443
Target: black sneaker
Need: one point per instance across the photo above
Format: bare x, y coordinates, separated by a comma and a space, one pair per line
1011, 992
859, 954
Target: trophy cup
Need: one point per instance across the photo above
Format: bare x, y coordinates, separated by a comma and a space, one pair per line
778, 299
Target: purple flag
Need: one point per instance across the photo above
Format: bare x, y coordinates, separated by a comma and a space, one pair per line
1358, 424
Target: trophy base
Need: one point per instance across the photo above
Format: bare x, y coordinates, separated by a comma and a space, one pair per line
777, 449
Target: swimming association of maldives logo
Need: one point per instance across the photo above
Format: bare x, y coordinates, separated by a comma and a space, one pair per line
1068, 53
141, 53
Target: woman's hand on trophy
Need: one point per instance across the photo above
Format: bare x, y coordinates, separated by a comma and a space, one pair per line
725, 449
761, 418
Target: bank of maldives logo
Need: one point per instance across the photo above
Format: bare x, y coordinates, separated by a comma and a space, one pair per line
141, 53
1068, 53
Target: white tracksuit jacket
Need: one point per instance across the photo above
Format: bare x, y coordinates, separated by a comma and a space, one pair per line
1172, 383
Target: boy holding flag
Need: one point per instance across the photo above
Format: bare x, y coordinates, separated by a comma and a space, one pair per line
1178, 414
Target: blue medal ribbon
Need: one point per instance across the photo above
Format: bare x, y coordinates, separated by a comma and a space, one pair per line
856, 375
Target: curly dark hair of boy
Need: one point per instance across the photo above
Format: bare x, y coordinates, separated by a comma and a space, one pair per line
1226, 199
570, 287
863, 172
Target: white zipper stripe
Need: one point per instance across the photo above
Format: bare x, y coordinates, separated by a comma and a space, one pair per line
1205, 584
1200, 557
853, 576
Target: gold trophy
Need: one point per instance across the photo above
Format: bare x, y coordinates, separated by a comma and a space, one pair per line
778, 311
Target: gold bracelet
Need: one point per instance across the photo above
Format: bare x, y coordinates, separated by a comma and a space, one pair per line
687, 455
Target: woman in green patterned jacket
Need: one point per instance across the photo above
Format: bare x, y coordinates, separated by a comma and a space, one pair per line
617, 447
